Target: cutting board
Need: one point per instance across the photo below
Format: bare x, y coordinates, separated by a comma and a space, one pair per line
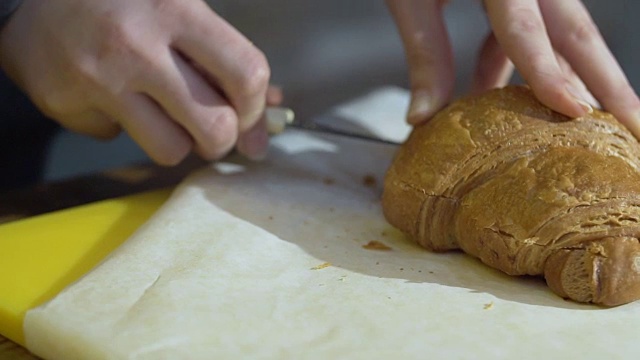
42, 255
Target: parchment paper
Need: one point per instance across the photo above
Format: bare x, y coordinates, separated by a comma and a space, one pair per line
266, 261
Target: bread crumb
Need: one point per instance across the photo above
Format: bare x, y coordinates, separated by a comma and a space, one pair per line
329, 181
270, 217
488, 306
321, 266
369, 181
376, 245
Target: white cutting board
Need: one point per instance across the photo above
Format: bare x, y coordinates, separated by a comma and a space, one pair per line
267, 261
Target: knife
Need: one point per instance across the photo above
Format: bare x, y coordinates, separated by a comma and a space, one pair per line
280, 118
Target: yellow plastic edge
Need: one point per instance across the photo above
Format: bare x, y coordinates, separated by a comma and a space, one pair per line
42, 255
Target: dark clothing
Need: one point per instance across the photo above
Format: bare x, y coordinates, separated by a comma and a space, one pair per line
24, 137
24, 132
7, 7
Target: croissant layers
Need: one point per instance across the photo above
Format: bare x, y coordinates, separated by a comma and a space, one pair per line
527, 191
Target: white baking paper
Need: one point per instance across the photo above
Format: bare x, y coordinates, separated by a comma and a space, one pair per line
266, 261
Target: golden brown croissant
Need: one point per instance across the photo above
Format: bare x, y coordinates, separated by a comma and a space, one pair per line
526, 190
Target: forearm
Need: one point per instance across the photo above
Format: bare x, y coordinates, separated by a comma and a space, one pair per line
7, 7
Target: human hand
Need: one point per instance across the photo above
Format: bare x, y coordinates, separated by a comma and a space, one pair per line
554, 44
172, 73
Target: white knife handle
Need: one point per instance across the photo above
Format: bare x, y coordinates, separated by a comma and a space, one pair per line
278, 118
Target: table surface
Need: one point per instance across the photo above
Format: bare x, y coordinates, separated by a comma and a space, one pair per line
45, 198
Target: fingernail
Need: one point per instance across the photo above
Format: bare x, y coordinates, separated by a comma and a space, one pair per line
585, 106
421, 107
580, 100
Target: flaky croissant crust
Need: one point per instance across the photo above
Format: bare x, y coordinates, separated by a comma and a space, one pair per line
526, 190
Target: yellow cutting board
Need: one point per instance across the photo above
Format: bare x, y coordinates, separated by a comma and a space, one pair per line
40, 256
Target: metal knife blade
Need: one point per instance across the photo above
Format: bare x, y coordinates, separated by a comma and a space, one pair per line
279, 119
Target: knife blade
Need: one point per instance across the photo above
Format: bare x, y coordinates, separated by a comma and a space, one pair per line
279, 119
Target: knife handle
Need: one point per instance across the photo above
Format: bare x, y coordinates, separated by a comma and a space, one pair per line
278, 118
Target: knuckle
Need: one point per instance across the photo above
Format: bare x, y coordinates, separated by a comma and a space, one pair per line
254, 80
116, 38
114, 42
179, 9
220, 133
583, 30
219, 125
528, 22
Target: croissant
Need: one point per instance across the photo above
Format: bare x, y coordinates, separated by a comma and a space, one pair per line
526, 190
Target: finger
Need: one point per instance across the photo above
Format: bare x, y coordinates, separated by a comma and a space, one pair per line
575, 82
254, 142
188, 99
494, 69
520, 30
238, 67
577, 38
93, 123
429, 55
159, 136
274, 95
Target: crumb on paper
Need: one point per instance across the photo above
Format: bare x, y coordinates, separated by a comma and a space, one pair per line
369, 181
342, 278
431, 272
270, 217
376, 245
321, 266
328, 181
488, 306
